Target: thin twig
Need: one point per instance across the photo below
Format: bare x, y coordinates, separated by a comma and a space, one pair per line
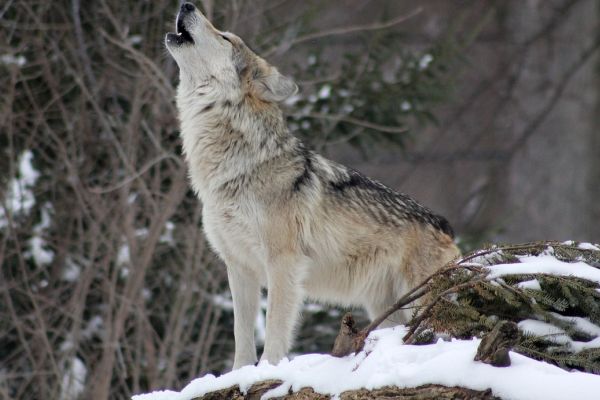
136, 175
425, 313
356, 121
346, 30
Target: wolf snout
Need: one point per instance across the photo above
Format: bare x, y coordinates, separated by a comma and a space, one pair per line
187, 8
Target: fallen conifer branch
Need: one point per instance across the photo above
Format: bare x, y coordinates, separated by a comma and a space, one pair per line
558, 314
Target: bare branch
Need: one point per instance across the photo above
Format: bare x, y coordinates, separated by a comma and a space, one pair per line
344, 31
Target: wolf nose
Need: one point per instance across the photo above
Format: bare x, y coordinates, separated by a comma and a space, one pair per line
187, 7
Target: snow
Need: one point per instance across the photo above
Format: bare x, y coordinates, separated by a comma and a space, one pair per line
588, 246
93, 327
540, 328
73, 382
556, 334
425, 61
135, 39
41, 256
37, 246
385, 361
141, 232
579, 346
27, 172
324, 92
123, 261
486, 257
582, 324
20, 198
19, 201
545, 264
10, 59
71, 270
533, 284
223, 301
167, 236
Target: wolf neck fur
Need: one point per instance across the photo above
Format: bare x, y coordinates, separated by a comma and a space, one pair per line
223, 140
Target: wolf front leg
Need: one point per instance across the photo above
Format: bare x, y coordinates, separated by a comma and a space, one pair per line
285, 294
245, 292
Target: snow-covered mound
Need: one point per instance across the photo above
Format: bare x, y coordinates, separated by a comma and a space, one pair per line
535, 271
385, 361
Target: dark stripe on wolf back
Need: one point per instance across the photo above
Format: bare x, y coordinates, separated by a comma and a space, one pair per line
354, 179
443, 225
396, 204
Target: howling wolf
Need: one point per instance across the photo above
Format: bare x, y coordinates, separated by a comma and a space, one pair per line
279, 215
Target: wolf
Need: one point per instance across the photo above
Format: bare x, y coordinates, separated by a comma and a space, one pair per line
280, 215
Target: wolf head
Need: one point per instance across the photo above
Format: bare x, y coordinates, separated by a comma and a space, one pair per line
221, 60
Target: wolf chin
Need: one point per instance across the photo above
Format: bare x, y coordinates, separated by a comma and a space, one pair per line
279, 215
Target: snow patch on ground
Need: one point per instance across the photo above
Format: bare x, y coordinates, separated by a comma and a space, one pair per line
385, 361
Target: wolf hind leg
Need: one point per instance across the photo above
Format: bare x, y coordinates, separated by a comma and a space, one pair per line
383, 298
375, 309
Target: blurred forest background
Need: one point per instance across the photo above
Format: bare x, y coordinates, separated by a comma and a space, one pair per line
486, 111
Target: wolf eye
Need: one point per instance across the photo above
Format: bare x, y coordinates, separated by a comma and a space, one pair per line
226, 38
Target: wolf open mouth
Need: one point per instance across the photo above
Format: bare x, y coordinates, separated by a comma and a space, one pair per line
182, 32
182, 36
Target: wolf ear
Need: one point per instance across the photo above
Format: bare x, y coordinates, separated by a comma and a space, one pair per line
274, 87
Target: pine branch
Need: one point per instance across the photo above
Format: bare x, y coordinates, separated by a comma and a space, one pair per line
462, 301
